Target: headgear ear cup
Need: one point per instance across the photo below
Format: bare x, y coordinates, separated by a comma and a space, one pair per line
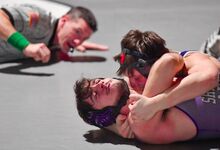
107, 116
102, 118
142, 60
141, 65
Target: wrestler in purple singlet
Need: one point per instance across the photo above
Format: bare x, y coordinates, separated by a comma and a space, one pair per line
205, 112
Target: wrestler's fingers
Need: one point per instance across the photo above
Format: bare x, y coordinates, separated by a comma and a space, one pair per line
131, 135
123, 124
120, 119
126, 130
120, 122
132, 115
135, 119
128, 133
135, 96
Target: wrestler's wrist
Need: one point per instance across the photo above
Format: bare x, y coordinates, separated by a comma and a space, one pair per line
160, 102
18, 41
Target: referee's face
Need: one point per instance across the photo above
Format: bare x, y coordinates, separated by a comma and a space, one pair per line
72, 33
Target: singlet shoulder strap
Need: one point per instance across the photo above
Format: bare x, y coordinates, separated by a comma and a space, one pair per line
182, 53
186, 52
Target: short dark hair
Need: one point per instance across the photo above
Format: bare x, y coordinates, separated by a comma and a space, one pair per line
82, 92
148, 43
86, 14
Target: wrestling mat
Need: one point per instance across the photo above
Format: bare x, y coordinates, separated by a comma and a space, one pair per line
37, 108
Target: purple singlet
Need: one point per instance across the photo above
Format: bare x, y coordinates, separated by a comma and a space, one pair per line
204, 111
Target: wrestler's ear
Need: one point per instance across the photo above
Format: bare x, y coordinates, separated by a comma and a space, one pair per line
63, 20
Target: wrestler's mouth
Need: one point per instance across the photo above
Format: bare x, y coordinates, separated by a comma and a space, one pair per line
108, 87
70, 46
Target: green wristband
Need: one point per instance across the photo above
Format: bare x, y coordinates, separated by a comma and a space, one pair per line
18, 41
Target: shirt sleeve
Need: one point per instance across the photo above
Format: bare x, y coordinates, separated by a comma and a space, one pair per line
30, 20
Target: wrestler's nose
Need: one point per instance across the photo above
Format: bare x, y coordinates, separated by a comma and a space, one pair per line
77, 42
99, 85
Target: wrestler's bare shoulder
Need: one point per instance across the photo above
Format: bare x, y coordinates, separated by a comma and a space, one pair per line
165, 127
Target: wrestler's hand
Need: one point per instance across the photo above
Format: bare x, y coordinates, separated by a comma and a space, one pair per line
39, 52
142, 108
123, 127
91, 46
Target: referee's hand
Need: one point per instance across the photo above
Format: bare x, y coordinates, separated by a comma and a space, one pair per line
39, 52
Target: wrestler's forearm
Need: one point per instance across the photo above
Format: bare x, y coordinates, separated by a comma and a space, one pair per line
160, 79
203, 76
187, 89
162, 73
6, 28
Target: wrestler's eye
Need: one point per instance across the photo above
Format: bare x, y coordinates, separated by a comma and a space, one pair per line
78, 31
94, 96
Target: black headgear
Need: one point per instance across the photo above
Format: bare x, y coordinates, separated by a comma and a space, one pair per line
142, 60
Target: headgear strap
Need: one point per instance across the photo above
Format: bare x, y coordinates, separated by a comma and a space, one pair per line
142, 60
